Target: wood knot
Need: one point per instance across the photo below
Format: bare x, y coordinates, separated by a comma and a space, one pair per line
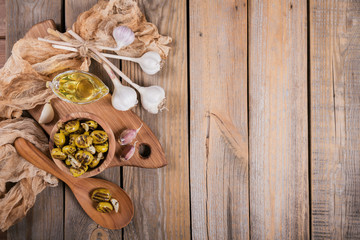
99, 234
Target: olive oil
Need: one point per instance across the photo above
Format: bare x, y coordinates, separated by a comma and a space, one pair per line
78, 87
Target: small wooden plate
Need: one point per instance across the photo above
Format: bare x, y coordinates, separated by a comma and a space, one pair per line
112, 143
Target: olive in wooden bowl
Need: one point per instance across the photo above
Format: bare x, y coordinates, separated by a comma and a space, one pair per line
82, 144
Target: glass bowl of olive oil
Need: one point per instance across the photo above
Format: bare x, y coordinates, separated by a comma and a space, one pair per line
79, 87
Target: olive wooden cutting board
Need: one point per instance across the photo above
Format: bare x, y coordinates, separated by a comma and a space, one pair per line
148, 144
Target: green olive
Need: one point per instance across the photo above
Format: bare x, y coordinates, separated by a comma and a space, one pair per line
72, 126
69, 149
99, 156
84, 157
94, 162
76, 172
81, 130
72, 138
99, 136
102, 147
67, 162
104, 207
56, 153
101, 195
59, 139
83, 141
64, 132
92, 125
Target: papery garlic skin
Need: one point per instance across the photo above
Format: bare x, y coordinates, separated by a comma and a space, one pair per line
152, 98
128, 135
123, 36
150, 62
128, 151
124, 98
47, 114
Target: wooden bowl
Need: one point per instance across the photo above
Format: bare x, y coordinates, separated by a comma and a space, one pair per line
104, 125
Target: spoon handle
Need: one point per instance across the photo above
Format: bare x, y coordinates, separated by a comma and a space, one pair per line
33, 155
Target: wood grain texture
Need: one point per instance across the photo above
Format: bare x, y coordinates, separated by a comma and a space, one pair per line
278, 142
335, 132
74, 216
45, 219
2, 19
23, 14
218, 103
161, 197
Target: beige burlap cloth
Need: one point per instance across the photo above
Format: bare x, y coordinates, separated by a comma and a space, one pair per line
23, 86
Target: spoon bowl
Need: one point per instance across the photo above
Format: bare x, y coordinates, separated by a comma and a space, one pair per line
82, 188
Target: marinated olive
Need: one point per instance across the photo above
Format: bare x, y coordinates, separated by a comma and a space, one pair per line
101, 195
102, 147
92, 125
56, 153
59, 139
76, 172
64, 132
81, 130
69, 149
104, 207
96, 160
83, 141
72, 126
84, 157
99, 136
72, 138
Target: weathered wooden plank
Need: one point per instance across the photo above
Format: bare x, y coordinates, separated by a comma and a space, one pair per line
278, 127
21, 15
2, 52
2, 19
161, 197
335, 132
74, 215
45, 219
218, 104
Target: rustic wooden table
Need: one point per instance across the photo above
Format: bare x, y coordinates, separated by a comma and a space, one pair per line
262, 135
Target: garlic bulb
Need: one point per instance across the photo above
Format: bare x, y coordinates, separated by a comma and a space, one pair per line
150, 62
47, 114
123, 36
152, 98
123, 98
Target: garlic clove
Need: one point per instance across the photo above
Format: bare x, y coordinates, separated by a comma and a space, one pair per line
123, 36
75, 163
47, 114
128, 152
152, 98
124, 98
115, 204
128, 135
150, 62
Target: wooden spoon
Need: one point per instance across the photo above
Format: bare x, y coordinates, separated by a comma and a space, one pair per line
82, 188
